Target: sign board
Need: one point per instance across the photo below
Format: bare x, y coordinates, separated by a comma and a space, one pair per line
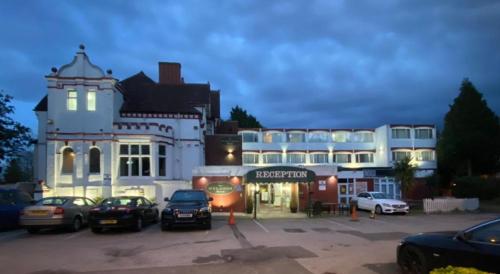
322, 185
367, 173
220, 188
280, 174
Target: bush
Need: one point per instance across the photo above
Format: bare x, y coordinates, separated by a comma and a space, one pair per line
476, 187
457, 270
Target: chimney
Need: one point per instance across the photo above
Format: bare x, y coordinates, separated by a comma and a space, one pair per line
170, 73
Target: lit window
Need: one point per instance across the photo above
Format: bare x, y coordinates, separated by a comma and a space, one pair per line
273, 137
91, 100
400, 155
134, 160
296, 158
250, 137
341, 158
250, 158
67, 162
423, 133
295, 137
424, 155
272, 158
318, 137
72, 103
341, 136
318, 158
364, 158
400, 133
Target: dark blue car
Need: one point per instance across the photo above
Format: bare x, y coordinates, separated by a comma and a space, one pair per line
12, 202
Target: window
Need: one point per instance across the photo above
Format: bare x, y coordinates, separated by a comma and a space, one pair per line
318, 137
489, 233
341, 158
400, 133
72, 103
272, 158
162, 160
91, 100
250, 137
250, 158
318, 158
134, 160
424, 155
296, 158
94, 160
362, 137
296, 137
89, 202
79, 202
273, 137
341, 136
400, 155
67, 162
423, 133
364, 158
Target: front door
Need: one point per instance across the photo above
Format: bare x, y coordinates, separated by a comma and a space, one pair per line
346, 192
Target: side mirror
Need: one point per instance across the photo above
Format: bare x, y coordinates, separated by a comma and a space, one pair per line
370, 198
210, 199
462, 236
166, 199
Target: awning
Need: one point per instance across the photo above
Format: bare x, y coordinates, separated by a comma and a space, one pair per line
280, 174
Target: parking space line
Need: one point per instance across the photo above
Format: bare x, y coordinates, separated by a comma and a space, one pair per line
341, 224
260, 225
74, 235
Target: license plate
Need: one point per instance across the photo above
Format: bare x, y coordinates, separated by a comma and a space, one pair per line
185, 215
108, 222
38, 213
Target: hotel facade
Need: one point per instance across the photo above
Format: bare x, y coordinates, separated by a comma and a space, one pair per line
100, 137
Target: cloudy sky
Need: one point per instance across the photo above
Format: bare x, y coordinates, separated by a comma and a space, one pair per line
315, 64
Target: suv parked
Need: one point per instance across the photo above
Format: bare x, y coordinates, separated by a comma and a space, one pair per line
187, 207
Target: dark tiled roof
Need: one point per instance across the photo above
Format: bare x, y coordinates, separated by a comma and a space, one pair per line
42, 105
141, 94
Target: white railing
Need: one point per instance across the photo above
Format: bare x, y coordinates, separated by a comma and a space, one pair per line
450, 204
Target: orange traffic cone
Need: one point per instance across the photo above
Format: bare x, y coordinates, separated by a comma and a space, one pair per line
231, 217
372, 214
354, 214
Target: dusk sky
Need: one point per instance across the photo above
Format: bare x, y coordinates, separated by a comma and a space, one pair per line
307, 64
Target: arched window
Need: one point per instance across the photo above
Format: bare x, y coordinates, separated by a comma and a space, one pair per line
94, 160
68, 158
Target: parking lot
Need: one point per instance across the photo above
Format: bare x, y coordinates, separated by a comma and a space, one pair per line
319, 245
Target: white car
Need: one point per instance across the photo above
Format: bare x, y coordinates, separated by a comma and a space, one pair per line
380, 204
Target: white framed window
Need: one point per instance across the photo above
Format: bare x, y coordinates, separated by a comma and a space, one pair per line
319, 137
91, 100
341, 158
272, 158
423, 133
341, 136
400, 155
135, 160
162, 160
296, 137
94, 160
72, 100
296, 158
424, 155
362, 137
250, 137
318, 158
250, 158
273, 137
400, 133
364, 158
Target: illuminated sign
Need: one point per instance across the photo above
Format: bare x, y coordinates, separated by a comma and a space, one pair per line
280, 174
220, 188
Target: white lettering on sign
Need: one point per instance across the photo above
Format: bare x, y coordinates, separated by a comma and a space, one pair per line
280, 174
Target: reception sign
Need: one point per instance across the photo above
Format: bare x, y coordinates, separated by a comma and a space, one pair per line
280, 174
220, 188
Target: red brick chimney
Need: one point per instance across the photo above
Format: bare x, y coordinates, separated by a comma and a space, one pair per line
170, 73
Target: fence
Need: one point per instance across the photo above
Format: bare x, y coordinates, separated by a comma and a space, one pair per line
450, 204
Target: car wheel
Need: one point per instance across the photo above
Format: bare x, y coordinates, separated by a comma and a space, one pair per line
378, 210
76, 225
96, 229
412, 261
138, 225
33, 230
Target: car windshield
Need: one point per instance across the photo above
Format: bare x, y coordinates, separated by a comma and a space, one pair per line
7, 197
185, 196
378, 195
51, 201
119, 202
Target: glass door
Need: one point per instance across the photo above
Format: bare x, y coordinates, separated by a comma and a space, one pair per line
346, 192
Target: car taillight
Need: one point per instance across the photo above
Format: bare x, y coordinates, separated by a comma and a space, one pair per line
59, 211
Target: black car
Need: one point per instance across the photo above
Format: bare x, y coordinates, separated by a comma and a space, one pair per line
187, 207
12, 203
123, 212
477, 247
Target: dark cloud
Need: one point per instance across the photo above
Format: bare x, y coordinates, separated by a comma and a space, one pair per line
292, 64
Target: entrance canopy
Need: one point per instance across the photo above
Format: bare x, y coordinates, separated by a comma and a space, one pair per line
280, 174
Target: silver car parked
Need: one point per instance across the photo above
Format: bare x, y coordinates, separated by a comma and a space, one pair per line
51, 212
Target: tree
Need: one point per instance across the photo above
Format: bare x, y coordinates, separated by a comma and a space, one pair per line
470, 141
14, 173
14, 137
244, 119
404, 172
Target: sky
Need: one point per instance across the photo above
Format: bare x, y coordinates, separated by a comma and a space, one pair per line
295, 64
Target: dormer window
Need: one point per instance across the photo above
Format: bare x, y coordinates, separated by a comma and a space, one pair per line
72, 102
91, 100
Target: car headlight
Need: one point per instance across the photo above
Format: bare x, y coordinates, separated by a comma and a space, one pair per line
387, 205
167, 210
205, 209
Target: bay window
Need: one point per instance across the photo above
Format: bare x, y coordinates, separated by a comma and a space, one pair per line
364, 158
135, 160
273, 137
250, 137
341, 158
400, 155
423, 133
400, 133
318, 158
250, 158
341, 136
272, 158
424, 155
318, 137
296, 158
296, 137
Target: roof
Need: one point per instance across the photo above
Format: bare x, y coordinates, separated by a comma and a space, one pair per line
142, 94
42, 105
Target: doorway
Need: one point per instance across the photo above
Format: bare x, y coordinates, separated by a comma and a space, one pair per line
346, 192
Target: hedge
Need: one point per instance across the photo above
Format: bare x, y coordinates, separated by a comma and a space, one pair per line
457, 270
476, 187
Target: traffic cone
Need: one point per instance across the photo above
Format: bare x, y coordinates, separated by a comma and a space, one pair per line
354, 214
231, 217
372, 214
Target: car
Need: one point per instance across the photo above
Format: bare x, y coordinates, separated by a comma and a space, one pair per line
131, 212
378, 202
12, 202
53, 212
477, 247
187, 207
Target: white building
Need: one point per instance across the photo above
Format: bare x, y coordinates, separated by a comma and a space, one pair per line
99, 137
